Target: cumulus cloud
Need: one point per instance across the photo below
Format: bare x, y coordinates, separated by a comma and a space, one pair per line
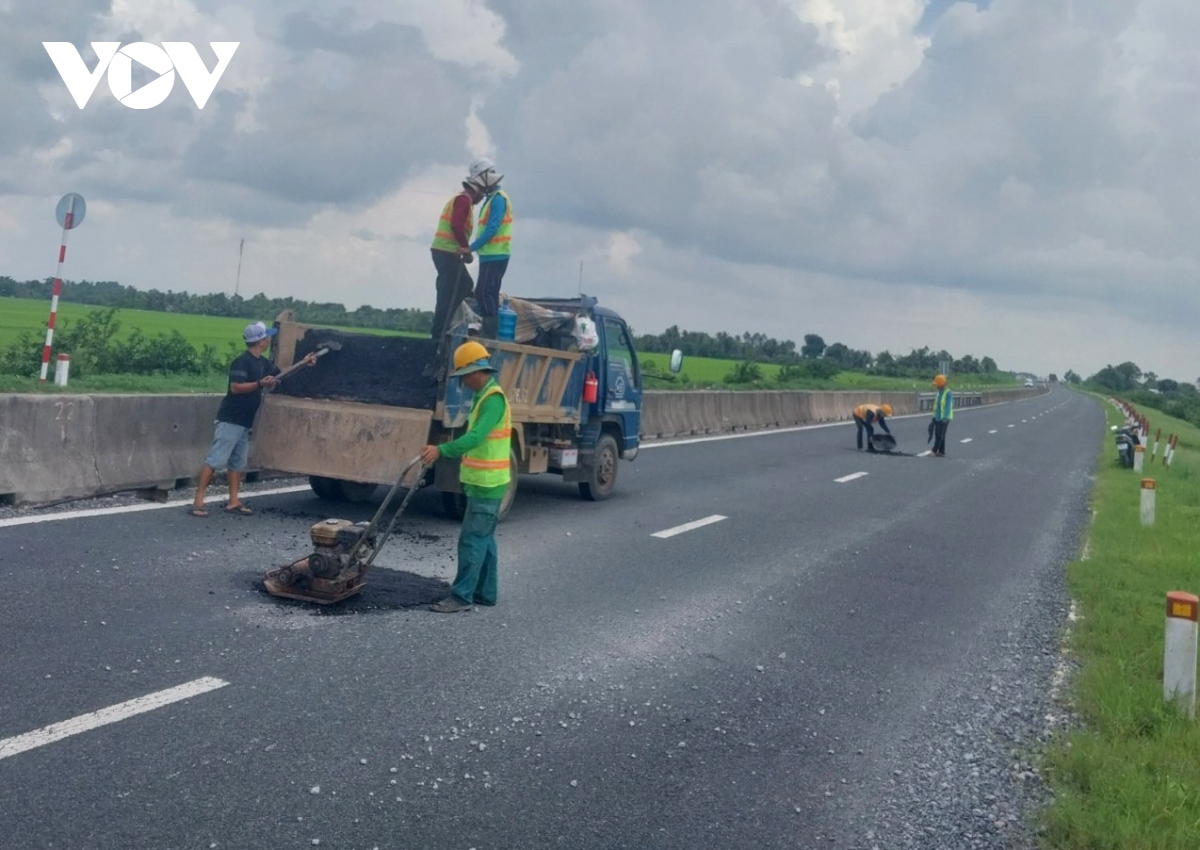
891, 173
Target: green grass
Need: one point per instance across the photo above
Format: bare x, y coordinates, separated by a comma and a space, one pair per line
27, 314
1130, 779
213, 383
710, 372
19, 315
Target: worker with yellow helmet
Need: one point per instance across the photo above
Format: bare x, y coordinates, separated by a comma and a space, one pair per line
484, 475
943, 412
866, 416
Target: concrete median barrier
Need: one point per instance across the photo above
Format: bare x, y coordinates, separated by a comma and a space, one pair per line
71, 446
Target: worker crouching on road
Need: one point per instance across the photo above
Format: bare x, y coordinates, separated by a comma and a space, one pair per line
484, 475
943, 412
866, 416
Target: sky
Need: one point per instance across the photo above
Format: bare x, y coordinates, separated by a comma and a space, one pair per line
1014, 178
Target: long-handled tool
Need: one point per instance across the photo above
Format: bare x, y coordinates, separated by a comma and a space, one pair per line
323, 349
344, 551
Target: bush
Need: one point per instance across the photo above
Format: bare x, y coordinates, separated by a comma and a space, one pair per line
807, 370
746, 372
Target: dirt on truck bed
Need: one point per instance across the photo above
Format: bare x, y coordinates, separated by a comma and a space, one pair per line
368, 369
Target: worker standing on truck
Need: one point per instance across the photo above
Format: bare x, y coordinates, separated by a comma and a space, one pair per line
943, 412
249, 375
493, 244
451, 252
866, 416
485, 477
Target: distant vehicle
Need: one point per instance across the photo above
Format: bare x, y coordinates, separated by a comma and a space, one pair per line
1028, 382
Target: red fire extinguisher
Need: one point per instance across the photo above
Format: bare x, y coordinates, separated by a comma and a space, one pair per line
591, 388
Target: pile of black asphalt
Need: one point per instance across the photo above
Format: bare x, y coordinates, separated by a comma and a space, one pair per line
367, 368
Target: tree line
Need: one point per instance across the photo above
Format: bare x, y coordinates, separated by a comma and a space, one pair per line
111, 294
760, 348
1180, 399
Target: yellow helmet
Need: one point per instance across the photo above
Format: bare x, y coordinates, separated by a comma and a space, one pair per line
886, 408
469, 357
939, 381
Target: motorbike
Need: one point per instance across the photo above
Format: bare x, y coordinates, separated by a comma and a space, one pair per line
1126, 438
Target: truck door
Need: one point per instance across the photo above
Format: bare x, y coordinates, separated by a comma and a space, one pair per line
622, 380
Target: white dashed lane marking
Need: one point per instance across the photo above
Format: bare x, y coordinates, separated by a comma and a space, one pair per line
688, 526
967, 440
849, 477
106, 716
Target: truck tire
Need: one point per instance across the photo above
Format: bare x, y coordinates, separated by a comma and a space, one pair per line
325, 488
455, 504
356, 491
602, 473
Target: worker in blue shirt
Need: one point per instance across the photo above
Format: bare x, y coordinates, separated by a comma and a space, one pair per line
493, 245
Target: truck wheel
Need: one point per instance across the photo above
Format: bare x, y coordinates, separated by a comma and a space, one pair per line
356, 491
602, 474
455, 504
325, 488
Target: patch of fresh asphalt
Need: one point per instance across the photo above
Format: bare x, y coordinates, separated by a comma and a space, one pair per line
843, 666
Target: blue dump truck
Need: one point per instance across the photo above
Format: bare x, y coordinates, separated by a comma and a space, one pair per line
367, 408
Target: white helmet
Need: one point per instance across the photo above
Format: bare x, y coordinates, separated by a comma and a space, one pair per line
483, 174
479, 166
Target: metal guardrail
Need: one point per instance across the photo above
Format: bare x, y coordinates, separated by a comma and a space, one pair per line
925, 400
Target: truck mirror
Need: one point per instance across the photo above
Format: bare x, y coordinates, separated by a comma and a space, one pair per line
676, 360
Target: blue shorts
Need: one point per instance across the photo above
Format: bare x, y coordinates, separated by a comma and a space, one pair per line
231, 444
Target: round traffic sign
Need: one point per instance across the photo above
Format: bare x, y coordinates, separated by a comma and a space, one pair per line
73, 204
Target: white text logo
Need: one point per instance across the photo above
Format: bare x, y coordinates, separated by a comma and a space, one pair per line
118, 61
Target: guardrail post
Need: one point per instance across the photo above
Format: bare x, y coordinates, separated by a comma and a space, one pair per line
1139, 454
1179, 654
1147, 501
1169, 454
1154, 451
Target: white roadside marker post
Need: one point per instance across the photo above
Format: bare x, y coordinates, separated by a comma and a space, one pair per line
62, 368
1139, 458
1154, 451
1179, 656
1147, 501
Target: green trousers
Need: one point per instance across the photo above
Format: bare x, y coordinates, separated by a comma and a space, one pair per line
476, 581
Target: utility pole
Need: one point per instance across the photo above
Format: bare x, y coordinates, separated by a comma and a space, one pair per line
238, 281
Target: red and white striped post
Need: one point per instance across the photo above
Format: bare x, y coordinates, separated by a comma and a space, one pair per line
69, 213
1154, 452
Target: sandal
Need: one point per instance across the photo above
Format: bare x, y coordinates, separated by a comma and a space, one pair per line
196, 510
242, 509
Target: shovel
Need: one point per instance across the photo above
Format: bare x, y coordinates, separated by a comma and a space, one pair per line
323, 349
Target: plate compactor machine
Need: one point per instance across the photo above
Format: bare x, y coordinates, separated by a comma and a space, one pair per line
343, 552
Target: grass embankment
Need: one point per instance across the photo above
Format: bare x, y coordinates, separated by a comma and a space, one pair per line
1130, 778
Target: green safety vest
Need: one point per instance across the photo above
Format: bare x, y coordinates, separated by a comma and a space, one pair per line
443, 238
501, 243
943, 407
487, 465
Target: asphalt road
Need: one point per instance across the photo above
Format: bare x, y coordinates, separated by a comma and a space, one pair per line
832, 664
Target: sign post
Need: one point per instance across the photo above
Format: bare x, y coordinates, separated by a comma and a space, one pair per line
70, 212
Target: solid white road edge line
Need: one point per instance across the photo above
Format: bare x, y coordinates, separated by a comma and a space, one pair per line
688, 526
105, 716
132, 509
849, 477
